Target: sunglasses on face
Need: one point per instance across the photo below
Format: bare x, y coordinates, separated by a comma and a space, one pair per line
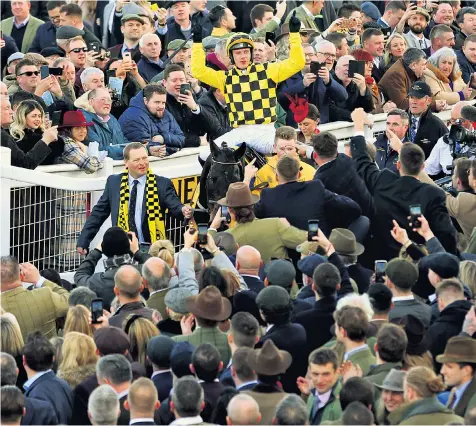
79, 49
30, 73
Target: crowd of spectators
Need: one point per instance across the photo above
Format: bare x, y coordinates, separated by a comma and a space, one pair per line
367, 319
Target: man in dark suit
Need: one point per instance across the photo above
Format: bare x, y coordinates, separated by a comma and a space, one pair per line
275, 305
159, 349
338, 173
131, 29
37, 412
140, 204
46, 33
393, 195
142, 402
304, 200
42, 383
244, 377
248, 264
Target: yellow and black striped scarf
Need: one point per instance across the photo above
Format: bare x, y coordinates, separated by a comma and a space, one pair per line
154, 213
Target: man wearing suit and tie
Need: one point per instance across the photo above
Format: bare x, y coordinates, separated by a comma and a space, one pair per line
135, 200
22, 27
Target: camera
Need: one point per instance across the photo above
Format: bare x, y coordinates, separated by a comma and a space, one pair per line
461, 141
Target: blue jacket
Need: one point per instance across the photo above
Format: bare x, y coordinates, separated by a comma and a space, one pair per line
292, 86
320, 95
467, 68
38, 413
147, 69
57, 392
109, 137
140, 125
45, 37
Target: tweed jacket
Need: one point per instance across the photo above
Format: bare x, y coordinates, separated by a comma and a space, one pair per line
303, 17
209, 335
32, 27
364, 359
157, 301
38, 309
267, 402
462, 208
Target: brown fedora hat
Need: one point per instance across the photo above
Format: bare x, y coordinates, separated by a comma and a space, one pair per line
269, 360
459, 349
209, 304
238, 195
344, 242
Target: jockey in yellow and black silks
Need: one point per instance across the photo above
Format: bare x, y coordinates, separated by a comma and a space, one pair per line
249, 89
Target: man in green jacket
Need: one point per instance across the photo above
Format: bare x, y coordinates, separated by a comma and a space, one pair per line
323, 400
351, 330
390, 351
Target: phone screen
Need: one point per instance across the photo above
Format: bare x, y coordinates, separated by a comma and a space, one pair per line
184, 88
312, 229
380, 267
97, 306
56, 118
224, 211
95, 46
415, 213
44, 72
202, 233
127, 57
415, 210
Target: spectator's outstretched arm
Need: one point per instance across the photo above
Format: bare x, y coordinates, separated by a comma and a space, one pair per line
186, 271
221, 261
290, 236
280, 71
87, 267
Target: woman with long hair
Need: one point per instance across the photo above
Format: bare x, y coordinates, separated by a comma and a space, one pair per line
11, 341
79, 358
140, 330
74, 132
394, 49
443, 75
77, 320
420, 388
29, 126
163, 249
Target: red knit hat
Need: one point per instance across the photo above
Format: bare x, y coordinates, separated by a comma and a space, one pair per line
362, 55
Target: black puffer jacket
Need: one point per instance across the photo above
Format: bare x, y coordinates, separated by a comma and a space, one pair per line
220, 123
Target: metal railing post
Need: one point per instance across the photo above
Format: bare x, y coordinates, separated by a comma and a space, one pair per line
5, 185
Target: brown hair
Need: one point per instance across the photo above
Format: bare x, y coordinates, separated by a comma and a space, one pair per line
325, 144
467, 274
412, 158
288, 168
424, 382
77, 319
354, 321
285, 132
131, 146
243, 214
461, 167
232, 281
172, 68
423, 360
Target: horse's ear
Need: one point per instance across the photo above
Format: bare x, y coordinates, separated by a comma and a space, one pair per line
215, 150
240, 152
202, 162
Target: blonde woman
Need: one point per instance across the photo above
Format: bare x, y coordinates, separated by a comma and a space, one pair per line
443, 75
140, 330
420, 388
79, 354
467, 275
394, 49
77, 320
11, 341
163, 249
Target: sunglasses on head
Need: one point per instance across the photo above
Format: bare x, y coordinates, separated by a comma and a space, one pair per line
30, 73
79, 49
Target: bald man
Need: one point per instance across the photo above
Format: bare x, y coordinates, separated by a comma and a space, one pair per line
142, 402
156, 277
150, 65
127, 288
243, 410
248, 264
440, 159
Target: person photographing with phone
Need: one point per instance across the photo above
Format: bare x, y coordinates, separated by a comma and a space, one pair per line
249, 89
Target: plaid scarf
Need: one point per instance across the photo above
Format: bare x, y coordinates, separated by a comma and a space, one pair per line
155, 217
373, 87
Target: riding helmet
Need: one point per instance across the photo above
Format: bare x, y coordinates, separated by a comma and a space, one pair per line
239, 41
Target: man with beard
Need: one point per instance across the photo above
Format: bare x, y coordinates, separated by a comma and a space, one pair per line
147, 121
417, 23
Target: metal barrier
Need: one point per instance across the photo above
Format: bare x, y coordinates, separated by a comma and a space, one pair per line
44, 210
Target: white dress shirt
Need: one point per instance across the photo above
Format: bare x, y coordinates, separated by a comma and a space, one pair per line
139, 202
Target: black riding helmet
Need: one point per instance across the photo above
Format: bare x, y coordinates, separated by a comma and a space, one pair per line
239, 41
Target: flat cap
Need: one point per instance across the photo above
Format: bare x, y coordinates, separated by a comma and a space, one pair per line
273, 297
111, 340
175, 299
281, 273
132, 17
67, 32
446, 265
308, 264
159, 349
175, 44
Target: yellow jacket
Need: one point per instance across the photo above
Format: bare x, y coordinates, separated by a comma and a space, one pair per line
270, 75
267, 173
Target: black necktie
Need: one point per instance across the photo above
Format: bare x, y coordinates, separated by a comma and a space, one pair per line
132, 207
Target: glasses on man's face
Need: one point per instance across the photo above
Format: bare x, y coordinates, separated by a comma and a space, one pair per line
328, 55
30, 73
104, 100
79, 49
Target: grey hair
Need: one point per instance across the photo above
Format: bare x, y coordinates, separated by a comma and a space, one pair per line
81, 296
220, 47
438, 30
88, 72
187, 396
10, 269
361, 301
153, 281
103, 406
342, 58
115, 368
319, 44
445, 52
291, 411
412, 55
8, 369
142, 39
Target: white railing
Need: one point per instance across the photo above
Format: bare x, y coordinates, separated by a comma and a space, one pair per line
43, 210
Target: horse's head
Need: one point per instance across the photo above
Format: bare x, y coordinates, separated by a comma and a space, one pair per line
226, 167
